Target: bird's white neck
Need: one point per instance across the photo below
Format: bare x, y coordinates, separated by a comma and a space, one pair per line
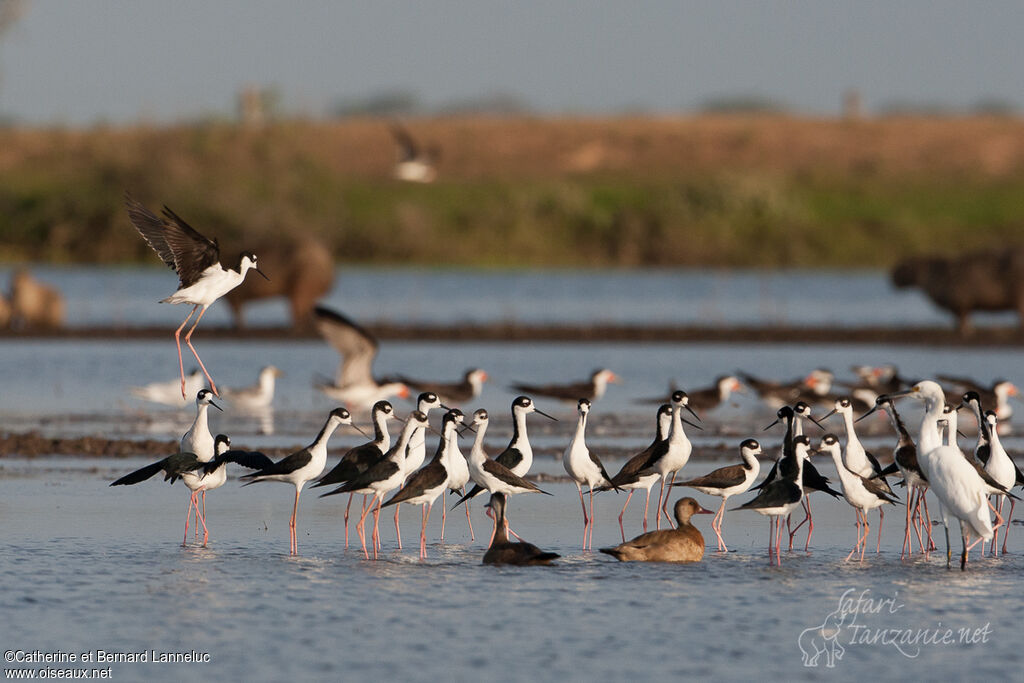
476, 453
930, 438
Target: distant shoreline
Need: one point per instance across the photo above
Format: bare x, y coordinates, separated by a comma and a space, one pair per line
504, 332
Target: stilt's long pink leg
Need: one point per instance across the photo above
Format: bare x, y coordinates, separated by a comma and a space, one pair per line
188, 516
647, 502
177, 343
621, 529
346, 516
1009, 518
398, 529
292, 524
472, 536
881, 518
810, 523
657, 514
590, 544
444, 509
664, 508
717, 525
188, 341
586, 521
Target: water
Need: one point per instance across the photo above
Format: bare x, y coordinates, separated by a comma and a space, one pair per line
85, 567
127, 296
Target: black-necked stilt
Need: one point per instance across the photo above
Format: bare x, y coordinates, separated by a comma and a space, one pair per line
382, 477
196, 260
169, 392
354, 383
955, 482
211, 474
416, 452
503, 551
780, 497
862, 493
429, 482
632, 477
458, 472
675, 456
414, 165
518, 455
905, 462
199, 440
726, 482
357, 460
490, 474
302, 466
585, 468
859, 461
454, 393
592, 389
1003, 470
258, 396
684, 543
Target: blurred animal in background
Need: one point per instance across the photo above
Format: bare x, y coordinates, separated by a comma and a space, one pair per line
415, 164
33, 304
301, 269
978, 281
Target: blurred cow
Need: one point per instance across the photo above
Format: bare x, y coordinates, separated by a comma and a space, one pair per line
34, 304
300, 269
978, 281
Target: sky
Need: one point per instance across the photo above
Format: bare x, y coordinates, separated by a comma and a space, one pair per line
81, 62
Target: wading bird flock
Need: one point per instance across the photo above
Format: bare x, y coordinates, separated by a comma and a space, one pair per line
970, 487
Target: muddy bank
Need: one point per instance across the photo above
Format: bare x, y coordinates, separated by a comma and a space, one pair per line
506, 332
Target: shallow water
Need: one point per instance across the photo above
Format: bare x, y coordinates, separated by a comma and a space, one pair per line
128, 295
87, 568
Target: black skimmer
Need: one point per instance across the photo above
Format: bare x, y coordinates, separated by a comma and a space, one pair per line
592, 389
705, 399
503, 551
490, 474
632, 476
518, 455
196, 260
302, 466
862, 493
726, 482
259, 396
905, 463
860, 462
780, 497
357, 460
458, 472
585, 468
428, 482
998, 393
685, 543
354, 383
415, 165
169, 392
675, 456
417, 450
457, 392
955, 482
381, 478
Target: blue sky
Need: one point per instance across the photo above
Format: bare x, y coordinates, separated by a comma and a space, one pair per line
84, 61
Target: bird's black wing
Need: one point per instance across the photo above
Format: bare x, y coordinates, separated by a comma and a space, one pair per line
429, 477
286, 465
193, 253
253, 460
151, 227
407, 146
141, 474
604, 473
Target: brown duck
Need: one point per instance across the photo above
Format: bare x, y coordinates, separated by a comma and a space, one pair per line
504, 552
682, 544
